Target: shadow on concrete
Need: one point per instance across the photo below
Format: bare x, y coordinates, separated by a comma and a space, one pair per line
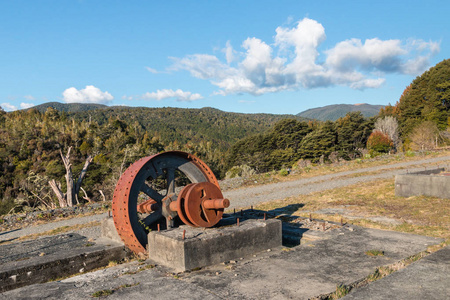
292, 232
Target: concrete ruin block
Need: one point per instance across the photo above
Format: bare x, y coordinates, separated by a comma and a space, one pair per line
109, 230
427, 183
204, 247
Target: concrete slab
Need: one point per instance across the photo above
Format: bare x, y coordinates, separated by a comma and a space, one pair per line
109, 230
52, 257
208, 246
300, 272
428, 278
427, 183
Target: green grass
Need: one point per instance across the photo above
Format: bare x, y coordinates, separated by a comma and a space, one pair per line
102, 293
374, 253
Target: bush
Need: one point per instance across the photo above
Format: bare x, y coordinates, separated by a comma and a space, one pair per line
283, 172
379, 142
6, 205
240, 171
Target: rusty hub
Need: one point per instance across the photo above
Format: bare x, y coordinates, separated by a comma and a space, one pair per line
165, 185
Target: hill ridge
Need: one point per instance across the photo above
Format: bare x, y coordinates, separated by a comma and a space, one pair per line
335, 111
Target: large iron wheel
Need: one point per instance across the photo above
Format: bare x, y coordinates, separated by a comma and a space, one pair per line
155, 181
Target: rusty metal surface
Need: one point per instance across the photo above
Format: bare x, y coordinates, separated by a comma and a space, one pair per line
146, 193
199, 194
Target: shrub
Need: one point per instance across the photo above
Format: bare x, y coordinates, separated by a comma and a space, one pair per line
240, 171
379, 142
283, 172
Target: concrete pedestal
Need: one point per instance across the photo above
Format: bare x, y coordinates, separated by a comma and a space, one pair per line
427, 183
203, 247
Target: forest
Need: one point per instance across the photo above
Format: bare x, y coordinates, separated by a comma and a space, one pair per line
38, 145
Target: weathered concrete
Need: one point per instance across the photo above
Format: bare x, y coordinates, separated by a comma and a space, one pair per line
428, 278
208, 246
52, 257
426, 183
301, 272
109, 230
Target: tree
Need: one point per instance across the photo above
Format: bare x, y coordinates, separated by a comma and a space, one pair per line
424, 136
352, 133
426, 98
321, 141
444, 93
389, 126
71, 196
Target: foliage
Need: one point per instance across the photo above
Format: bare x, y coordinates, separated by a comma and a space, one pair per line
425, 99
352, 133
322, 141
31, 141
265, 152
379, 142
240, 171
291, 141
283, 172
424, 136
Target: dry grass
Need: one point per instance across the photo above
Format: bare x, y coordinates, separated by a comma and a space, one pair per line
419, 214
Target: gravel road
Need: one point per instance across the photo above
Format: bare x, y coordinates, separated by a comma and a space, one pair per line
245, 197
248, 196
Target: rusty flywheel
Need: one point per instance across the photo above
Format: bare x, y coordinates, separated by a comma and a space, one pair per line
166, 185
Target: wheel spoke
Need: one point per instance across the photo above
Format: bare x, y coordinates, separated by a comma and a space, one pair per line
146, 189
152, 218
170, 181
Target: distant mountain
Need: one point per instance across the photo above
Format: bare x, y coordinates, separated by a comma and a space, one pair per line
69, 107
336, 111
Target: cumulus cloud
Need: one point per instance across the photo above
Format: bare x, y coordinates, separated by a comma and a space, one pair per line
179, 95
90, 94
8, 107
293, 60
24, 105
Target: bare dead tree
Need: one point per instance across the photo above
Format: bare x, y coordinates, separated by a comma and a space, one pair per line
71, 195
103, 195
56, 187
85, 195
389, 126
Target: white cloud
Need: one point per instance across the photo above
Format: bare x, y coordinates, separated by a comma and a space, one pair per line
151, 70
168, 93
24, 105
203, 66
293, 61
29, 97
90, 94
8, 107
230, 53
129, 98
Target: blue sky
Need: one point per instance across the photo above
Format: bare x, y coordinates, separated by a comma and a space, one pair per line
240, 56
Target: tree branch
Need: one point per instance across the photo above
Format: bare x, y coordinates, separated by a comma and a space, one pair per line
56, 187
82, 174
